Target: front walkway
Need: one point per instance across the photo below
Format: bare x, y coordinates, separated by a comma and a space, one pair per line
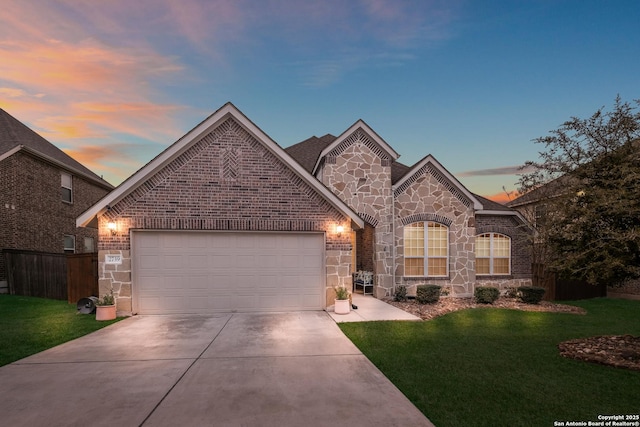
371, 309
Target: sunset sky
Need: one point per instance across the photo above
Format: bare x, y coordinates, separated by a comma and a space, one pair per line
114, 82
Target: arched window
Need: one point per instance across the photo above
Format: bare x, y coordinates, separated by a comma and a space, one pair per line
493, 254
426, 249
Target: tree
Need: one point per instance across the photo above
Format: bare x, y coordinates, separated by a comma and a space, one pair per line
590, 174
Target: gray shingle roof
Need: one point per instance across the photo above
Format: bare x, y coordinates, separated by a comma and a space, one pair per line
307, 152
14, 133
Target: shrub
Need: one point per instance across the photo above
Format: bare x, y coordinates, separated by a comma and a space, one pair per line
486, 294
531, 294
401, 293
427, 294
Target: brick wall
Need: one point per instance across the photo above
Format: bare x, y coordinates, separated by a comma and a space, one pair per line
226, 181
32, 212
521, 241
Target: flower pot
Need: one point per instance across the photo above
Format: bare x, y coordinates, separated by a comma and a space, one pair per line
343, 306
105, 312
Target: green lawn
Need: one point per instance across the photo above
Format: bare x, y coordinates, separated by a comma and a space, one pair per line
494, 367
29, 325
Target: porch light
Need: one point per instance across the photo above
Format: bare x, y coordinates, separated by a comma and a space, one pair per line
339, 230
112, 227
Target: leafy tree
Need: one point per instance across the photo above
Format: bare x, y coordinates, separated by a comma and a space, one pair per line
588, 180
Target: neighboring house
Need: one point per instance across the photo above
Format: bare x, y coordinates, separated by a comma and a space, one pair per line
225, 219
43, 191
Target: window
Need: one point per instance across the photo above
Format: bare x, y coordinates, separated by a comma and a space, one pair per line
426, 249
67, 187
493, 254
69, 244
89, 245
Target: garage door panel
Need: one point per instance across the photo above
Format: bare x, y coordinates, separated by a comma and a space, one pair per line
191, 272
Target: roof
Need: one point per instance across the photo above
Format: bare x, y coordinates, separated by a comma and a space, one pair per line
308, 151
398, 170
192, 137
491, 205
16, 136
552, 188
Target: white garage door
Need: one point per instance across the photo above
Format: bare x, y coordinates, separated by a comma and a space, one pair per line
204, 272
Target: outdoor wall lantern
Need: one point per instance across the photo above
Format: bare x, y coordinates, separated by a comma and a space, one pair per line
339, 230
113, 228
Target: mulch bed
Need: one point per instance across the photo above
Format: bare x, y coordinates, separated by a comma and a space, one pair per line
621, 351
448, 305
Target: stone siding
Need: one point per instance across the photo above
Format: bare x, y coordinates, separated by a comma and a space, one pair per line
229, 181
359, 173
428, 197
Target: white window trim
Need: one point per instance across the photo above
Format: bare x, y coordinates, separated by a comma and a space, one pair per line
426, 251
491, 256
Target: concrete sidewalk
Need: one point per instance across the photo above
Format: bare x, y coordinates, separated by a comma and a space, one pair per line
277, 369
371, 309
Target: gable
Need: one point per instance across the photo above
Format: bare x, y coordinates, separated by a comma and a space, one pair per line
208, 156
227, 175
358, 133
430, 166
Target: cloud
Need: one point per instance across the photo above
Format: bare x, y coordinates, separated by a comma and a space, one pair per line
507, 170
17, 93
114, 162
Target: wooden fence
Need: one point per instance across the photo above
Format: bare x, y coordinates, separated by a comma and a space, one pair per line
565, 289
54, 276
82, 276
36, 274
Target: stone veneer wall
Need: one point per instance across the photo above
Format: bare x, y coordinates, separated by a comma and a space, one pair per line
430, 197
116, 277
226, 181
359, 172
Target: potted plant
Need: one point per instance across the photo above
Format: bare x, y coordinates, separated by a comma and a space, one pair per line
106, 307
342, 303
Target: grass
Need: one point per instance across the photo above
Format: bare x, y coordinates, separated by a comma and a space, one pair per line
30, 325
495, 367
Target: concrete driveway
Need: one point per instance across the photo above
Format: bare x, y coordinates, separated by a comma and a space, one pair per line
282, 369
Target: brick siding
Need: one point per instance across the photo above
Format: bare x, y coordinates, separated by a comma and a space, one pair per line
32, 213
226, 181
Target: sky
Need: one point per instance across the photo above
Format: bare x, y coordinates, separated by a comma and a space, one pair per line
473, 83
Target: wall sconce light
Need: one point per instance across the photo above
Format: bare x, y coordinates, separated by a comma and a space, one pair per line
339, 230
113, 228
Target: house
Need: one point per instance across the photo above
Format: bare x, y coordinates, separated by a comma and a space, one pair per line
225, 219
43, 191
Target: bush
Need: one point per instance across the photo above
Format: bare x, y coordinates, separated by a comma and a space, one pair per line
530, 294
401, 293
486, 294
427, 294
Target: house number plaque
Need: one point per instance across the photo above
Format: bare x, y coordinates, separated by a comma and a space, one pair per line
113, 259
